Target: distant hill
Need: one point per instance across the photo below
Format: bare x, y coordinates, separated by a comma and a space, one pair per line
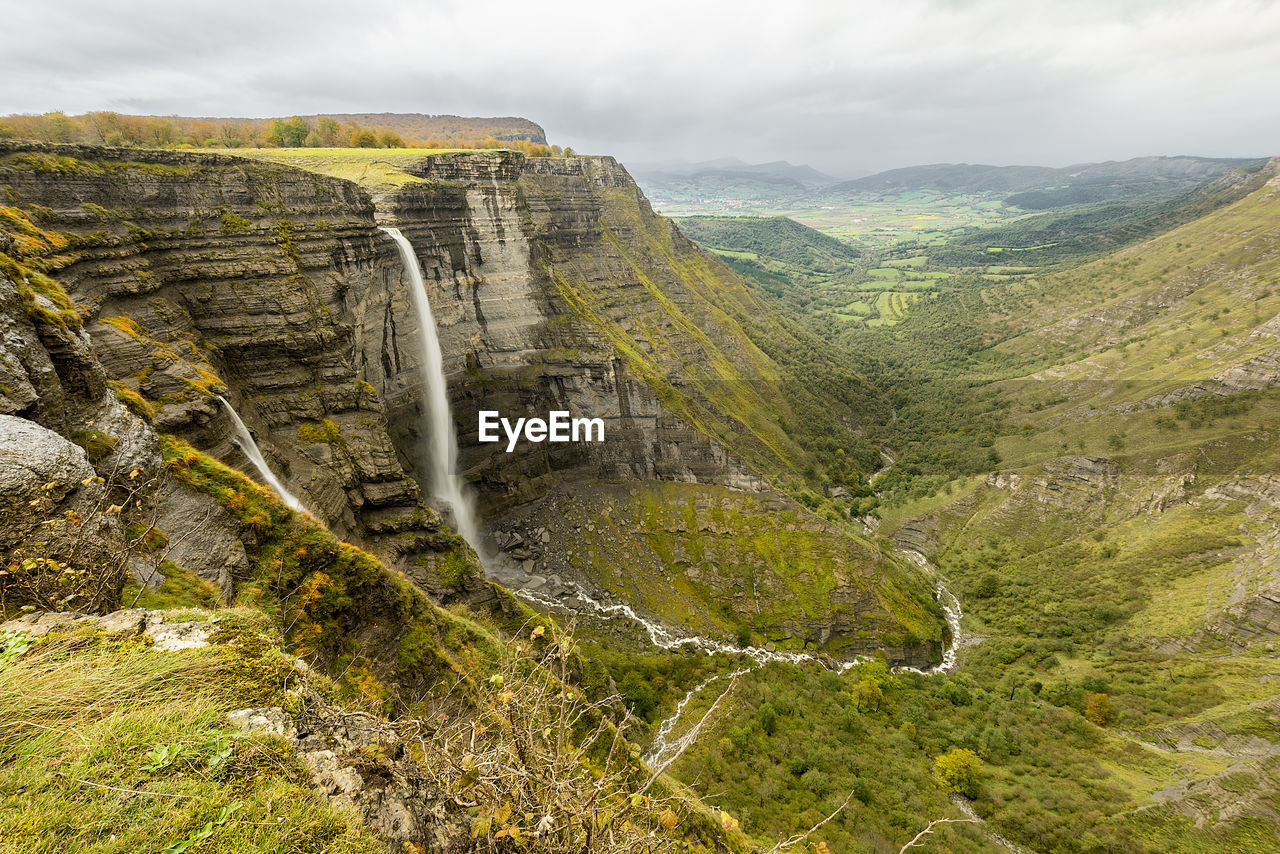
1056, 237
775, 237
948, 178
778, 171
1044, 188
786, 259
726, 184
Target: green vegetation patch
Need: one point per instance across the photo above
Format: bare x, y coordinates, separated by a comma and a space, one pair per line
107, 746
340, 604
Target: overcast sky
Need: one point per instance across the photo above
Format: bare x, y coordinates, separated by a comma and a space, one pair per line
849, 87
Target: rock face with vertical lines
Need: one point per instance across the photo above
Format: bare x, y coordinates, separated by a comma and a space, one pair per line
521, 339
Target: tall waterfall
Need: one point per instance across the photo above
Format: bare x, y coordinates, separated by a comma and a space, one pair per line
244, 440
441, 440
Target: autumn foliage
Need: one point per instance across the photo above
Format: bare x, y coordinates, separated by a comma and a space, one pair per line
116, 129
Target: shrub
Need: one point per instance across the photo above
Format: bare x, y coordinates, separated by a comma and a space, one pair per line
545, 769
1097, 709
959, 770
232, 223
988, 585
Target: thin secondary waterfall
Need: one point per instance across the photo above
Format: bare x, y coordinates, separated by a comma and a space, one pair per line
245, 442
441, 439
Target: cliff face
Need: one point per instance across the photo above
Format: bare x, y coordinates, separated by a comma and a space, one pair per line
540, 307
201, 275
554, 286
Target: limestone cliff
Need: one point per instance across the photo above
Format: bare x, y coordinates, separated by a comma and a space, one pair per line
200, 275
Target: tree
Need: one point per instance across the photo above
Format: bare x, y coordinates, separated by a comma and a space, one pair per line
959, 770
389, 139
364, 139
291, 133
59, 127
868, 695
768, 717
1097, 709
329, 130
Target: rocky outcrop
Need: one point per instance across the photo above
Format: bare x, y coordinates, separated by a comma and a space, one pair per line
357, 762
45, 477
1252, 609
1075, 480
205, 538
156, 628
1004, 480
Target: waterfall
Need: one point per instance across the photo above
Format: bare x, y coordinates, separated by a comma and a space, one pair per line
245, 442
441, 438
950, 606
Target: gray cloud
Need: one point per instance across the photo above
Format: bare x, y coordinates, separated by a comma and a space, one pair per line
847, 86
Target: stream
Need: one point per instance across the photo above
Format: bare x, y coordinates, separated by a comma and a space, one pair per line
667, 638
664, 637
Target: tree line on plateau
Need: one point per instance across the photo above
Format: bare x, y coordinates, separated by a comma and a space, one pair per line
116, 129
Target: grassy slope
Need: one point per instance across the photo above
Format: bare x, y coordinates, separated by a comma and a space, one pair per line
1120, 588
1079, 233
342, 607
373, 168
719, 561
80, 715
1128, 585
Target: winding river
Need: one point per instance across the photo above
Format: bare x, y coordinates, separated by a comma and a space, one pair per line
665, 637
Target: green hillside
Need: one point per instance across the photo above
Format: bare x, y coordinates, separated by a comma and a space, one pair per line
1113, 545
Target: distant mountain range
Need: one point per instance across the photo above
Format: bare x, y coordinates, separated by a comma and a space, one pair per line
1042, 188
728, 184
776, 172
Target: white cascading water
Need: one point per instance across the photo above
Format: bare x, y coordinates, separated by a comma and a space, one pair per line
663, 638
950, 606
662, 749
441, 438
245, 442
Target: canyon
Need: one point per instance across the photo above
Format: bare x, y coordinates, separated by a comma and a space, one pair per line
554, 287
